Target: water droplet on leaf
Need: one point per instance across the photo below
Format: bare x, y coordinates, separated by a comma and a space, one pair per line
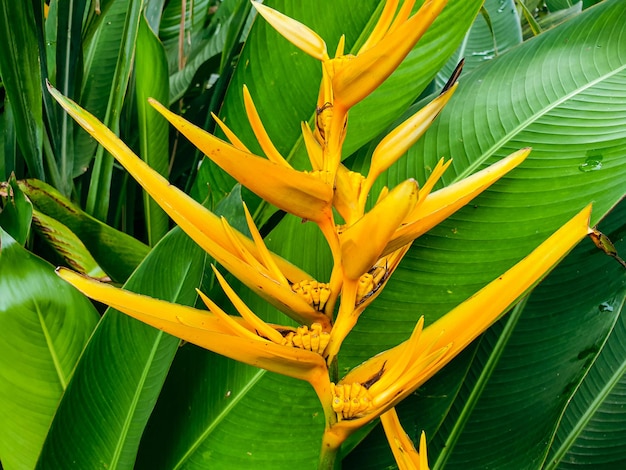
605, 307
592, 163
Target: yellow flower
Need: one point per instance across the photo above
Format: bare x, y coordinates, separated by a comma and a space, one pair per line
346, 78
281, 349
401, 445
352, 77
439, 205
306, 195
267, 274
380, 383
377, 242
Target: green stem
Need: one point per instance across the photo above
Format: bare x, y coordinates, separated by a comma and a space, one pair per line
328, 454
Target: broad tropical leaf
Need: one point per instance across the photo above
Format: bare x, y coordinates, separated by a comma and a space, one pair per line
591, 431
123, 368
45, 324
118, 253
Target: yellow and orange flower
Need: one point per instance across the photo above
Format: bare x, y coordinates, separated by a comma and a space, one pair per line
367, 246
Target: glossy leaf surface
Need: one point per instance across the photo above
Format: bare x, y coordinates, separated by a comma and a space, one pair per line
45, 324
21, 78
123, 368
118, 253
151, 81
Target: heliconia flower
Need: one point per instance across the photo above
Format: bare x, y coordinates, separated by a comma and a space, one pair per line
264, 272
346, 78
355, 78
363, 242
247, 339
352, 189
371, 243
397, 142
435, 207
383, 381
401, 445
357, 296
305, 195
407, 366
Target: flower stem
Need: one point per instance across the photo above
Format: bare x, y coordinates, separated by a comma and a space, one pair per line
328, 454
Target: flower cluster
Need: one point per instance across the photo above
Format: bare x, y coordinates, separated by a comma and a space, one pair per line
366, 246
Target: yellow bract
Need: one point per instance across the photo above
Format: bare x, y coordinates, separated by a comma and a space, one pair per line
299, 193
401, 445
407, 366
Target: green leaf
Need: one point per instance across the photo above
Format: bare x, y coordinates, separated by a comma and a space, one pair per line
554, 5
21, 78
550, 19
98, 196
532, 23
67, 245
16, 212
8, 150
555, 342
101, 49
116, 383
151, 81
591, 431
45, 324
182, 31
118, 253
228, 20
68, 79
492, 34
589, 3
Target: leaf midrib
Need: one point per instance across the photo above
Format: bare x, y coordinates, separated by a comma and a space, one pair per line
144, 376
219, 418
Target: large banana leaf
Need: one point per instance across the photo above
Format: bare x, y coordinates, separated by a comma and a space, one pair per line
591, 433
531, 386
44, 325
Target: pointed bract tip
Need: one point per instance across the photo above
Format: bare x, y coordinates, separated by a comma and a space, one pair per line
295, 32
